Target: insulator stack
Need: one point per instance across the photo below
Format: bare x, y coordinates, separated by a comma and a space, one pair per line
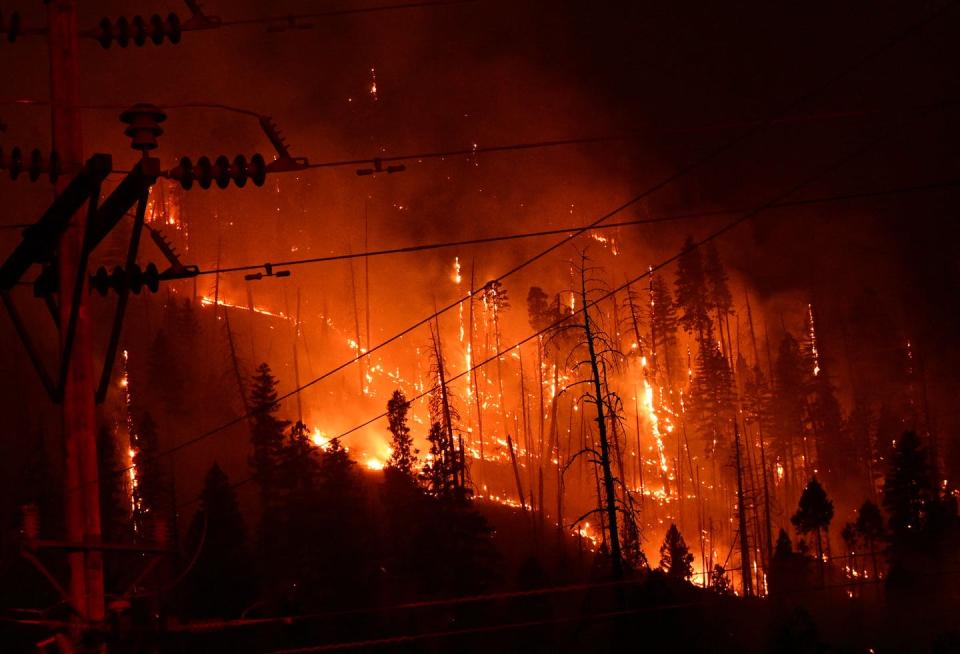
144, 126
34, 166
221, 171
139, 30
120, 280
10, 26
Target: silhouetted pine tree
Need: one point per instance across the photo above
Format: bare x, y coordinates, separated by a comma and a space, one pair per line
663, 327
789, 405
266, 437
909, 490
403, 456
871, 531
834, 444
441, 470
340, 560
675, 558
814, 513
788, 570
719, 581
718, 288
924, 526
444, 412
220, 584
692, 294
712, 400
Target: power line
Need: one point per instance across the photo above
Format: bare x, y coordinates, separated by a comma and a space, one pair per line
713, 153
611, 293
473, 150
590, 617
774, 200
918, 188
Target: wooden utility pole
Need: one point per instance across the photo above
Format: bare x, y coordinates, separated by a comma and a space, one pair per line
82, 510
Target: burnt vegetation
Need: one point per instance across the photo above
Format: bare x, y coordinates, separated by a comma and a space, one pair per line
473, 399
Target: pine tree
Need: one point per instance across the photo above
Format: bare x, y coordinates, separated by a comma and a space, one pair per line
870, 529
402, 456
221, 583
712, 397
718, 289
909, 491
266, 436
675, 558
717, 282
784, 547
834, 445
441, 471
663, 326
150, 491
443, 411
789, 404
692, 295
343, 569
538, 309
719, 581
814, 513
114, 494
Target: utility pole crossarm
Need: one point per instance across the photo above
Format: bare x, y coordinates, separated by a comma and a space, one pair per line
40, 240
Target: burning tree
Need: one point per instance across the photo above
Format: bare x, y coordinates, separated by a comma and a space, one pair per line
150, 491
445, 470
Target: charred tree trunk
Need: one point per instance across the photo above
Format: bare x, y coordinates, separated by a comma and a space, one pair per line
608, 485
745, 570
516, 472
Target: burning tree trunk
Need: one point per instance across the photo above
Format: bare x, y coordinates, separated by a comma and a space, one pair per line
516, 472
440, 405
745, 571
473, 376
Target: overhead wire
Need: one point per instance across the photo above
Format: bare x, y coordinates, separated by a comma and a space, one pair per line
584, 618
824, 199
729, 144
770, 203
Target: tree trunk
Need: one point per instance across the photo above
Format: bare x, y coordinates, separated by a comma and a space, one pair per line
611, 503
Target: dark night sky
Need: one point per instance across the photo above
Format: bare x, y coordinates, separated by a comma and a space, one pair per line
683, 75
